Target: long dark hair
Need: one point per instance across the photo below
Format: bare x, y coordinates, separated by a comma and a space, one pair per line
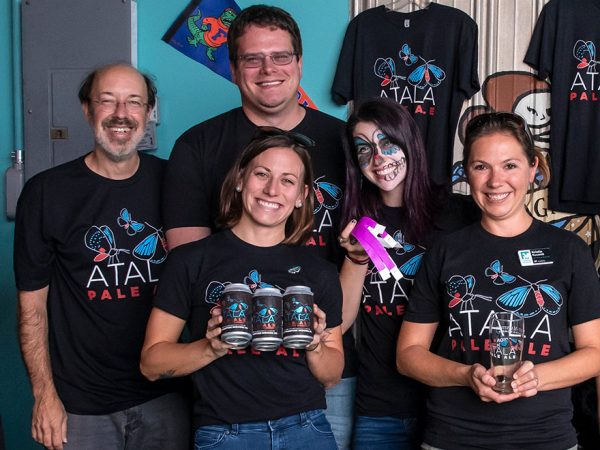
362, 198
298, 226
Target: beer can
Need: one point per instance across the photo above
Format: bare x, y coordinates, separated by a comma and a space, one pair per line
236, 309
266, 319
298, 304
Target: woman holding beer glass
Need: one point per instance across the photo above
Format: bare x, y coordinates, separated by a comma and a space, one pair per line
508, 262
248, 398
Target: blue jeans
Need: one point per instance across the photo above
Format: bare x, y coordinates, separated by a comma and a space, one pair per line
305, 431
162, 423
386, 433
340, 411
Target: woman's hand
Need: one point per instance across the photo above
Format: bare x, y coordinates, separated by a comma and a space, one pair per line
482, 381
526, 381
350, 244
320, 331
213, 333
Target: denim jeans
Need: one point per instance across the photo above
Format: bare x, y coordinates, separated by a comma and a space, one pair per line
386, 433
305, 431
340, 411
162, 424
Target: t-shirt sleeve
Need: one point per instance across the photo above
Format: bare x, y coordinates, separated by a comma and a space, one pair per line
343, 82
468, 79
584, 296
33, 248
174, 294
540, 53
424, 297
185, 200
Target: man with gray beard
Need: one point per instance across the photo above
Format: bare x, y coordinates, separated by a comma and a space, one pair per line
89, 249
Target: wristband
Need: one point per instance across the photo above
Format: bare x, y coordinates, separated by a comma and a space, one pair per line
360, 262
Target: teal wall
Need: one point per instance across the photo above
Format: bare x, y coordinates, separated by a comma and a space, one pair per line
189, 93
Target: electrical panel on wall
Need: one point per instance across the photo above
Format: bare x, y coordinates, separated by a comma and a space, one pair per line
62, 41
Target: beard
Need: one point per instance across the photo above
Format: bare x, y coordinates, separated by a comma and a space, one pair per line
118, 150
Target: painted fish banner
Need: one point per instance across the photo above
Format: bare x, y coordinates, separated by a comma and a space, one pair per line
200, 32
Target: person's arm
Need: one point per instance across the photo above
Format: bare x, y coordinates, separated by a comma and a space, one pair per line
415, 360
183, 235
164, 357
352, 276
578, 366
49, 418
325, 354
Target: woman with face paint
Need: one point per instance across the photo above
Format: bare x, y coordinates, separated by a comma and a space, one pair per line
506, 262
246, 398
387, 180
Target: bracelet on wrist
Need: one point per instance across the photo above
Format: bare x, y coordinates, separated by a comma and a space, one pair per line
360, 262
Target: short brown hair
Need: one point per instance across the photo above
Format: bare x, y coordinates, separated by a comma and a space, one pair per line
266, 17
299, 224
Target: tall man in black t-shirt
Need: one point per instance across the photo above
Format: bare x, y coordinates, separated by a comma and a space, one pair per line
88, 252
265, 53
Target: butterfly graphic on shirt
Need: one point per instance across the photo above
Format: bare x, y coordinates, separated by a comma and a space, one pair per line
385, 68
520, 301
102, 241
126, 221
461, 288
254, 281
294, 270
410, 268
585, 53
426, 74
327, 195
407, 56
153, 247
496, 273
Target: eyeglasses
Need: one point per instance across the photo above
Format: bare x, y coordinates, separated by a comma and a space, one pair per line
255, 60
110, 105
298, 138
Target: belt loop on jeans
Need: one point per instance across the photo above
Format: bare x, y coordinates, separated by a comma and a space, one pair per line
234, 428
304, 418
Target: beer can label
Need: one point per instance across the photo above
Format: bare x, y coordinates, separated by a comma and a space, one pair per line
298, 304
266, 319
236, 309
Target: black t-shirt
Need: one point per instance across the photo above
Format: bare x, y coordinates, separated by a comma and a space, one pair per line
464, 278
381, 390
203, 155
247, 385
426, 60
98, 244
563, 48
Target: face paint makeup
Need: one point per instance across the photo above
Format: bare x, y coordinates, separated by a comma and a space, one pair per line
366, 149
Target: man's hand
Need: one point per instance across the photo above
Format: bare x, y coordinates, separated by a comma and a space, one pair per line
49, 422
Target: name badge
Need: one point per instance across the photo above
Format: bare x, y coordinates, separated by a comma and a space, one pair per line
535, 257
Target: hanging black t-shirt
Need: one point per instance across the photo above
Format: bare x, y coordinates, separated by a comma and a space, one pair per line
547, 276
563, 48
381, 390
247, 385
99, 245
426, 60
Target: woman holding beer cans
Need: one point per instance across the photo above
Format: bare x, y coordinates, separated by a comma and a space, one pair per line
508, 262
255, 287
387, 180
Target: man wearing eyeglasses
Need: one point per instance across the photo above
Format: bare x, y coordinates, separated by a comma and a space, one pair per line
88, 253
265, 55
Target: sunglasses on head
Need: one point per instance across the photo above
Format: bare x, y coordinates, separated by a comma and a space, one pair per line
298, 138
